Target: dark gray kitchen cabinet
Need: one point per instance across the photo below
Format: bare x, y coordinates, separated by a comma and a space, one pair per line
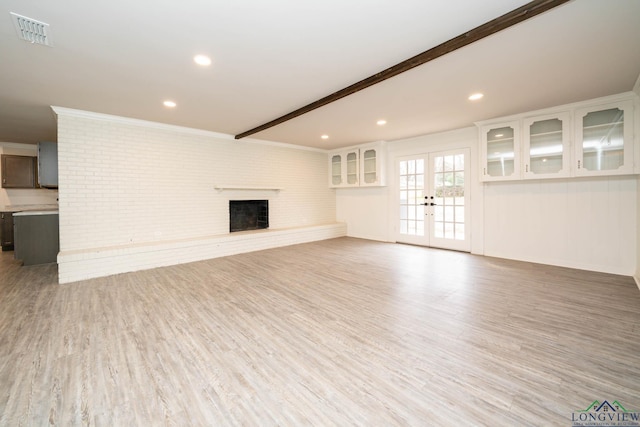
48, 164
18, 171
37, 238
6, 231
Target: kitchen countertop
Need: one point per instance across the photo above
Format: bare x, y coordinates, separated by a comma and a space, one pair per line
32, 213
28, 208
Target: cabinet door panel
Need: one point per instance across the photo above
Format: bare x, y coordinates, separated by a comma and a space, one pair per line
352, 168
336, 170
18, 171
546, 146
6, 230
501, 152
369, 168
604, 140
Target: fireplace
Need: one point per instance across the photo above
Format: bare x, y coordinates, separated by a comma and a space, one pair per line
248, 215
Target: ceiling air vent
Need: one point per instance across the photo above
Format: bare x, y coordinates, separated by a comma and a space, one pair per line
31, 30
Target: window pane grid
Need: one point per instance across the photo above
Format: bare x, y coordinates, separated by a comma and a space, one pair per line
411, 197
449, 197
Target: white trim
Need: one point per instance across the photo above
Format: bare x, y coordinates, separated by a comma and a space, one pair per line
637, 279
64, 111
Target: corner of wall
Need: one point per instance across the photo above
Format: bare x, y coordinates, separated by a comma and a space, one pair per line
636, 87
637, 276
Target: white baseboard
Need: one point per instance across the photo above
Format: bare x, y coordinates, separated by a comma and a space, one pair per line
637, 279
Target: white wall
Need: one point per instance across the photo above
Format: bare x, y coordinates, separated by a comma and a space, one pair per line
637, 276
365, 211
586, 223
23, 196
636, 89
371, 213
125, 183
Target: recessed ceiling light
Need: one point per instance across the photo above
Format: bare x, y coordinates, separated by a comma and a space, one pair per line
202, 60
381, 122
325, 137
169, 104
475, 96
498, 135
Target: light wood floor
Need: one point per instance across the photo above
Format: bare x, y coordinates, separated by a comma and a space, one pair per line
339, 332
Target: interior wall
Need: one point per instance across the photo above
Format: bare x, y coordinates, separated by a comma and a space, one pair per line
371, 213
586, 223
126, 182
24, 196
637, 276
365, 211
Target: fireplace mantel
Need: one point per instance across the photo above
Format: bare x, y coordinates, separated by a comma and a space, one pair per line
246, 187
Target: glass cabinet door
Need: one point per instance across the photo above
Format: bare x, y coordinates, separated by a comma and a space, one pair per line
370, 175
352, 168
336, 170
501, 152
605, 139
546, 146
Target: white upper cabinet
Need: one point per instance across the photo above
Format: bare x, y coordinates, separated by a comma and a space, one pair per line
501, 151
361, 166
352, 167
588, 138
372, 165
336, 175
604, 139
546, 149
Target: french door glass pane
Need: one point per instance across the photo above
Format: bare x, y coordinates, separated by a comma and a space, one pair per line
449, 197
412, 197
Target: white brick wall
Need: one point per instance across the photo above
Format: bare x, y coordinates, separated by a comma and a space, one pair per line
126, 183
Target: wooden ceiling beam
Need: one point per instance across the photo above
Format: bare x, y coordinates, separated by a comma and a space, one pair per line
507, 20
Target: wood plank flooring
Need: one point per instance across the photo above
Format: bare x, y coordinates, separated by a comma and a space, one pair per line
338, 332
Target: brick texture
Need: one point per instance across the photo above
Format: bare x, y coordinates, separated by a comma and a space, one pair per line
125, 184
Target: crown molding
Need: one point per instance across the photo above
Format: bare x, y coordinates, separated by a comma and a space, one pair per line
70, 112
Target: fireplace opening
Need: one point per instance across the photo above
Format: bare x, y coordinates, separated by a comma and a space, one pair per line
248, 215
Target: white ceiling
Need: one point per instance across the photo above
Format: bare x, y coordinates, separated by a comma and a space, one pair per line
269, 58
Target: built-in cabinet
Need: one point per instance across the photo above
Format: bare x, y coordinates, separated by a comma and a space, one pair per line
585, 139
546, 146
18, 171
361, 166
501, 144
48, 164
6, 231
37, 237
604, 139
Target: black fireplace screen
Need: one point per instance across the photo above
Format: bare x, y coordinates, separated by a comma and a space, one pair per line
248, 215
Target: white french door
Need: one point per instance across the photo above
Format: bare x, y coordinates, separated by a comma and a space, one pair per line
433, 200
